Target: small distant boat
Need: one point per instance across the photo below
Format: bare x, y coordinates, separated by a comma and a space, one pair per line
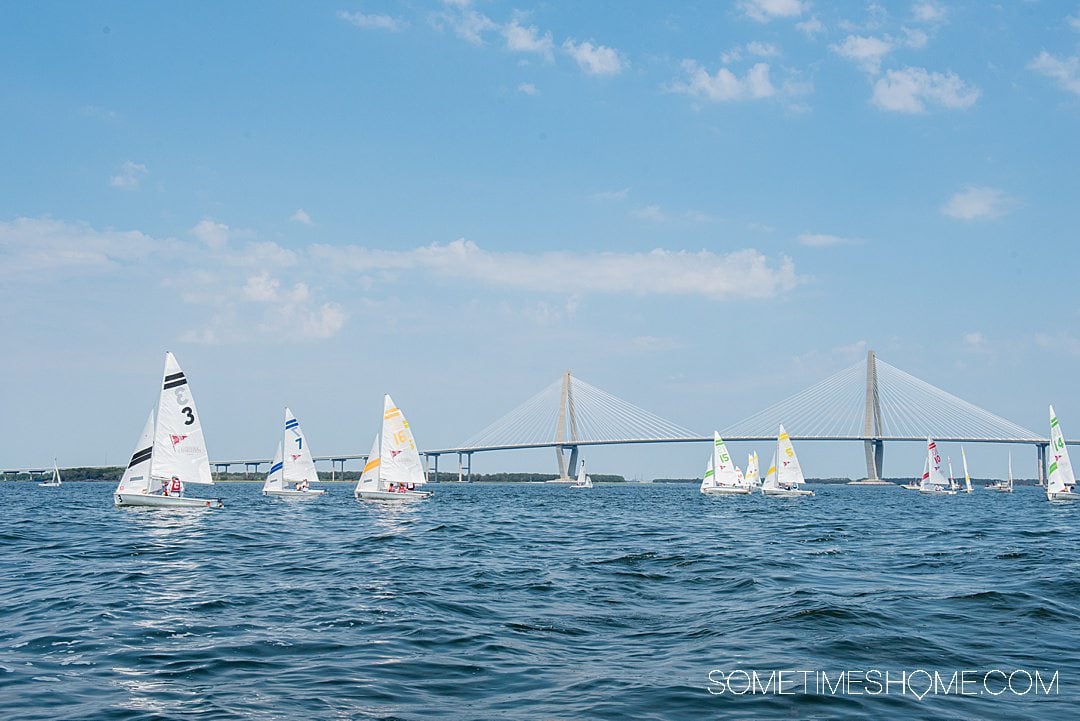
53, 482
753, 473
917, 483
784, 480
933, 480
171, 452
1061, 483
967, 478
953, 485
583, 480
1005, 486
292, 471
721, 476
393, 471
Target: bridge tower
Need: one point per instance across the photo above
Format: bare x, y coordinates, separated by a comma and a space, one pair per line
567, 421
873, 446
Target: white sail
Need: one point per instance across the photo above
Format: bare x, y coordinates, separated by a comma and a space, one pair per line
707, 481
275, 479
934, 478
298, 463
136, 478
770, 475
179, 448
752, 479
1010, 471
399, 459
967, 478
369, 479
55, 473
724, 473
1061, 478
583, 479
789, 472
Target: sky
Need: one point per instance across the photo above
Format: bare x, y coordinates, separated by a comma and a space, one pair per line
701, 208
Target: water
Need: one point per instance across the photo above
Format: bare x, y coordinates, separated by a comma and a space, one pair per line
529, 602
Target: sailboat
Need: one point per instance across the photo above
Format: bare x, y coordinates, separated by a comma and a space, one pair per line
393, 469
917, 483
953, 485
1061, 484
721, 477
752, 479
1005, 486
583, 480
53, 482
967, 478
292, 471
784, 480
933, 480
171, 452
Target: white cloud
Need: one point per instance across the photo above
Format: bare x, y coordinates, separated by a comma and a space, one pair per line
468, 24
975, 341
1066, 71
130, 176
916, 39
301, 216
373, 22
595, 59
739, 274
823, 240
978, 203
765, 10
810, 27
764, 50
928, 12
866, 52
724, 85
611, 194
650, 212
214, 234
522, 39
38, 244
527, 89
910, 89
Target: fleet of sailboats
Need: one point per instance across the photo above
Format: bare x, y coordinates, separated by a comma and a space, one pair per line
171, 453
293, 468
721, 476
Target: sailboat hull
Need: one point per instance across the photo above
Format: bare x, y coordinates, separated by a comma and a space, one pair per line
46, 484
293, 493
910, 486
725, 491
1062, 496
938, 491
785, 493
390, 496
149, 501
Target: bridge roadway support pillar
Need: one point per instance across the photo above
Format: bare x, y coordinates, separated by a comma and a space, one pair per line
468, 467
435, 473
1040, 451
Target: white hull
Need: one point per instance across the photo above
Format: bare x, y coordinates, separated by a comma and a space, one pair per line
910, 486
726, 491
389, 496
581, 485
46, 484
871, 482
1002, 490
149, 501
785, 493
1062, 496
937, 491
293, 493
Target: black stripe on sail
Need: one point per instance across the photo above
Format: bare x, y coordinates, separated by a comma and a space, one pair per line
140, 456
174, 384
174, 376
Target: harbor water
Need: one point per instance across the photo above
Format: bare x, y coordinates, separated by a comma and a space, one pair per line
538, 602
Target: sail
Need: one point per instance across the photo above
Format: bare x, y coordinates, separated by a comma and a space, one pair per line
1010, 471
55, 473
708, 481
369, 479
751, 477
770, 475
934, 478
789, 472
967, 478
136, 478
275, 480
299, 465
723, 467
179, 448
1061, 470
400, 461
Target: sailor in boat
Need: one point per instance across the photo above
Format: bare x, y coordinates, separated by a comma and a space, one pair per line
174, 487
302, 485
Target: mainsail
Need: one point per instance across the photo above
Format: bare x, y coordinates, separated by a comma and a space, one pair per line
789, 472
179, 448
298, 463
1061, 477
400, 461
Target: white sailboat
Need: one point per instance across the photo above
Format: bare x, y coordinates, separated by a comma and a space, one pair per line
967, 478
784, 480
171, 452
1005, 486
393, 471
934, 481
583, 479
953, 485
293, 467
1061, 483
753, 473
721, 476
917, 483
53, 482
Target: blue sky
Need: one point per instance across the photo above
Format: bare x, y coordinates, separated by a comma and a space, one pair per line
699, 208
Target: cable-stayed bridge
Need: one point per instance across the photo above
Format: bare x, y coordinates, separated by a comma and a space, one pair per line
871, 402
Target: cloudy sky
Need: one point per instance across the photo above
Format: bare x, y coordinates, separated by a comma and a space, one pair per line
701, 209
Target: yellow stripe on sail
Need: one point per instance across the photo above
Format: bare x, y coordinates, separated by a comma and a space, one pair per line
392, 413
374, 463
784, 436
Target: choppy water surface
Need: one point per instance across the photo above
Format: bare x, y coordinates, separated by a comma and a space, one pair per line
529, 602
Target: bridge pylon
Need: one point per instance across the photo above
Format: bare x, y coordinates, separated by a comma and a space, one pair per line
566, 429
873, 446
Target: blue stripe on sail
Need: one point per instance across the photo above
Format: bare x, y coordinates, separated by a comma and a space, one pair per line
276, 467
292, 424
